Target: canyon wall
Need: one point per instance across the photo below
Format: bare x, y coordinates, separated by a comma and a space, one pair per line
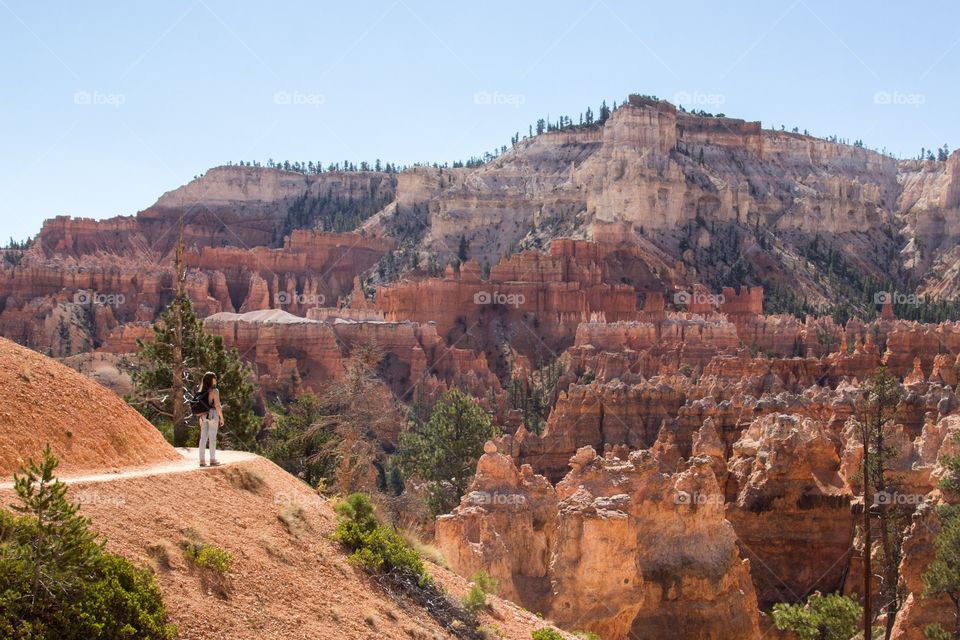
97, 293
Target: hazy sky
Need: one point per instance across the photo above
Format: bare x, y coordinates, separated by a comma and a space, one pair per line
106, 105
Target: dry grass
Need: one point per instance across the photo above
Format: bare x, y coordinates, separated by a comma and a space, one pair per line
293, 519
244, 479
162, 553
427, 551
371, 619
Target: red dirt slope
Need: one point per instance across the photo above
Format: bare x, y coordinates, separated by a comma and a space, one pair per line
289, 581
88, 426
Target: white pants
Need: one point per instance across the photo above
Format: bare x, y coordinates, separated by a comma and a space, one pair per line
208, 430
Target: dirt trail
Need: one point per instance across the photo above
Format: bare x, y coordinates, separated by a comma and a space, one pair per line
190, 462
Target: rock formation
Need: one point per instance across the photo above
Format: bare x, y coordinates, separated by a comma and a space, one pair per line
620, 546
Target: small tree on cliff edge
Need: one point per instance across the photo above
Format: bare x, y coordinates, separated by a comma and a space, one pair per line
157, 391
445, 450
942, 576
57, 579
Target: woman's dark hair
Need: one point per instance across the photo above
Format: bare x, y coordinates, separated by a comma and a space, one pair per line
207, 381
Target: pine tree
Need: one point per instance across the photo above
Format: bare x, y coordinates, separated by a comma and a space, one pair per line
177, 372
873, 419
300, 446
829, 617
58, 581
444, 451
463, 250
62, 546
943, 574
157, 392
604, 113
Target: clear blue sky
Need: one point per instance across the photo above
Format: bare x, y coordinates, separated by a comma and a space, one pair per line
106, 105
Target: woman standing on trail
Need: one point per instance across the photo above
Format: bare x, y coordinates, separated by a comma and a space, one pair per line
210, 414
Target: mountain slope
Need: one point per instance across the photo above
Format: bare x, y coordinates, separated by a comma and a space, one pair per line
288, 580
88, 427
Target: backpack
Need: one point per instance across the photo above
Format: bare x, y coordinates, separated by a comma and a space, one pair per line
200, 404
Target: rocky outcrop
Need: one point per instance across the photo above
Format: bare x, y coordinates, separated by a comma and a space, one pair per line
235, 206
533, 301
620, 547
787, 494
920, 610
929, 205
291, 354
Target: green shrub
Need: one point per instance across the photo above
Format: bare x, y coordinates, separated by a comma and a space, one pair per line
546, 633
56, 580
487, 583
377, 547
208, 556
384, 550
213, 564
586, 635
936, 632
829, 617
491, 632
476, 598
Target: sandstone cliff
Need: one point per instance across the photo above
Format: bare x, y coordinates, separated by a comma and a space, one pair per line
621, 546
727, 199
